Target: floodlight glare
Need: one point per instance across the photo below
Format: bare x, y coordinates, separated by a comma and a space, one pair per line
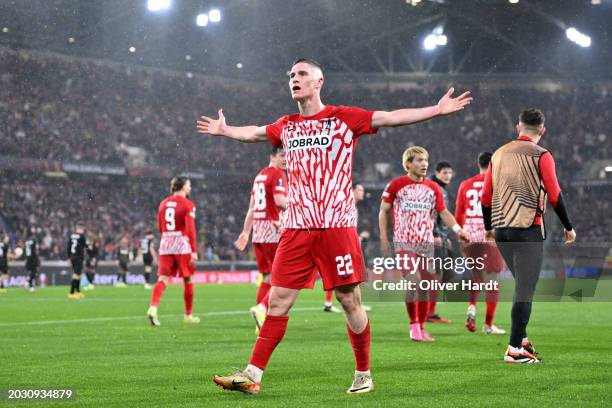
202, 20
577, 37
214, 16
441, 40
430, 42
158, 5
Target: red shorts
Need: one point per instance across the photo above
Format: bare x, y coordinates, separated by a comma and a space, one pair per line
492, 258
176, 265
335, 253
417, 263
264, 255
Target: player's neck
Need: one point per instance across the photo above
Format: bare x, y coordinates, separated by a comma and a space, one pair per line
534, 138
310, 106
416, 177
483, 171
180, 193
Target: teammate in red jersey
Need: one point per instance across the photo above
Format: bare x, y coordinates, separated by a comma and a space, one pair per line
319, 227
268, 200
177, 246
414, 200
468, 212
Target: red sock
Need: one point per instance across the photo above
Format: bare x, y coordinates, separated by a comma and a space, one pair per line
188, 297
361, 347
263, 290
492, 297
270, 335
412, 309
423, 312
433, 300
329, 297
158, 290
474, 293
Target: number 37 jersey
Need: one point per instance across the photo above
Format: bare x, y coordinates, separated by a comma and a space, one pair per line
468, 211
176, 223
266, 214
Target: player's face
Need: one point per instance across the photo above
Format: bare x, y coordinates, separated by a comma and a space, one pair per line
279, 160
419, 165
187, 188
359, 192
305, 81
445, 175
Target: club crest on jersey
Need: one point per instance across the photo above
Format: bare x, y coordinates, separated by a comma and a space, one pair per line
416, 206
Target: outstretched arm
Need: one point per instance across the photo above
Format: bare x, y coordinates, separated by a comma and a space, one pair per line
446, 105
243, 238
218, 127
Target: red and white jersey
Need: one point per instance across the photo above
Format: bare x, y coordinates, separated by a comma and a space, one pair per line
414, 205
266, 215
468, 211
176, 223
319, 152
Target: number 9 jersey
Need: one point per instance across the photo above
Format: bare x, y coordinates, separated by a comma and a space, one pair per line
176, 223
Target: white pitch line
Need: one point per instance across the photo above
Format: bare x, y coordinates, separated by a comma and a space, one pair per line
143, 317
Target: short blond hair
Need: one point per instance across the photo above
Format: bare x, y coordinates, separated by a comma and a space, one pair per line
409, 154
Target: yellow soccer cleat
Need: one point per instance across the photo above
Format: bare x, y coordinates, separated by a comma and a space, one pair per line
238, 381
191, 319
2, 290
258, 313
80, 295
73, 296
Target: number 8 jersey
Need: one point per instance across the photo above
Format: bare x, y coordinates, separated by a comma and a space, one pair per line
468, 211
176, 223
269, 181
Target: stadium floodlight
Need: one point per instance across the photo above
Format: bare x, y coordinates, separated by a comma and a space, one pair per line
214, 15
513, 1
430, 42
158, 5
5, 29
608, 169
202, 20
435, 39
132, 49
577, 37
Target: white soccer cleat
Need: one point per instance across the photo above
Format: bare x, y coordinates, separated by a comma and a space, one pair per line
331, 309
361, 384
147, 286
152, 316
191, 319
493, 329
366, 307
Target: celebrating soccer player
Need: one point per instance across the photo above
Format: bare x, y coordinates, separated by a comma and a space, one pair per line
468, 212
414, 201
177, 247
268, 200
519, 178
320, 229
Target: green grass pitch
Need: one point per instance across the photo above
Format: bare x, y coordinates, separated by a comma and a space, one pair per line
104, 348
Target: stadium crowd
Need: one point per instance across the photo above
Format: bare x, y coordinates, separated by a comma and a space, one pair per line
74, 110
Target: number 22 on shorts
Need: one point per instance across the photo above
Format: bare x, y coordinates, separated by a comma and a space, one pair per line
344, 265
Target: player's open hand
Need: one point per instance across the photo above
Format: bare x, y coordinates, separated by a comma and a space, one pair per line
448, 104
242, 241
569, 236
212, 126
